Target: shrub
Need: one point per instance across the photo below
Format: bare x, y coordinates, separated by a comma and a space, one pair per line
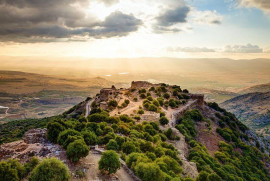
152, 89
202, 176
71, 139
142, 91
163, 120
98, 117
153, 108
112, 145
166, 96
160, 101
77, 150
53, 130
140, 111
125, 118
149, 98
90, 137
213, 177
186, 91
172, 103
127, 101
50, 169
142, 96
29, 166
11, 170
156, 103
194, 114
109, 162
112, 103
149, 171
64, 135
128, 147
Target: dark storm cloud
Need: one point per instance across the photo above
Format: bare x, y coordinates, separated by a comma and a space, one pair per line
39, 20
171, 17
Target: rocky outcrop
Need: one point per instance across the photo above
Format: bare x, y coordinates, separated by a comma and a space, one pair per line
35, 136
34, 143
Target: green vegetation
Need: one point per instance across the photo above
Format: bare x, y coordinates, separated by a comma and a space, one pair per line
77, 150
15, 130
163, 120
228, 164
112, 104
109, 162
143, 145
50, 169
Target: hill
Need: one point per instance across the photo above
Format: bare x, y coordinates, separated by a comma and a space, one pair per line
256, 88
160, 132
252, 108
28, 95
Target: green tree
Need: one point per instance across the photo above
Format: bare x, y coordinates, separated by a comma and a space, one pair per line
29, 166
112, 103
109, 162
149, 171
166, 96
11, 170
71, 139
64, 135
153, 108
50, 169
77, 150
202, 176
90, 137
128, 147
163, 120
112, 145
213, 177
53, 130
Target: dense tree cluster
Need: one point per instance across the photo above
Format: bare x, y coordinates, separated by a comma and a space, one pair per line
48, 169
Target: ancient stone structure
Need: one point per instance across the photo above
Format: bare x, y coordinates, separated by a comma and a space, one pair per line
198, 97
106, 93
150, 117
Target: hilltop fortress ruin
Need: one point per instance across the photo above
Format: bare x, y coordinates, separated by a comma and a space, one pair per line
132, 94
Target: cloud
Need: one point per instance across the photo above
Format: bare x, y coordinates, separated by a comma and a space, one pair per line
191, 49
167, 20
249, 48
50, 20
206, 17
261, 4
109, 2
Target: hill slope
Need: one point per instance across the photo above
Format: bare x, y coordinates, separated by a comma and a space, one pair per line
161, 132
252, 108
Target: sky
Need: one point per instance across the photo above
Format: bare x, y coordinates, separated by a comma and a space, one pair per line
238, 29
